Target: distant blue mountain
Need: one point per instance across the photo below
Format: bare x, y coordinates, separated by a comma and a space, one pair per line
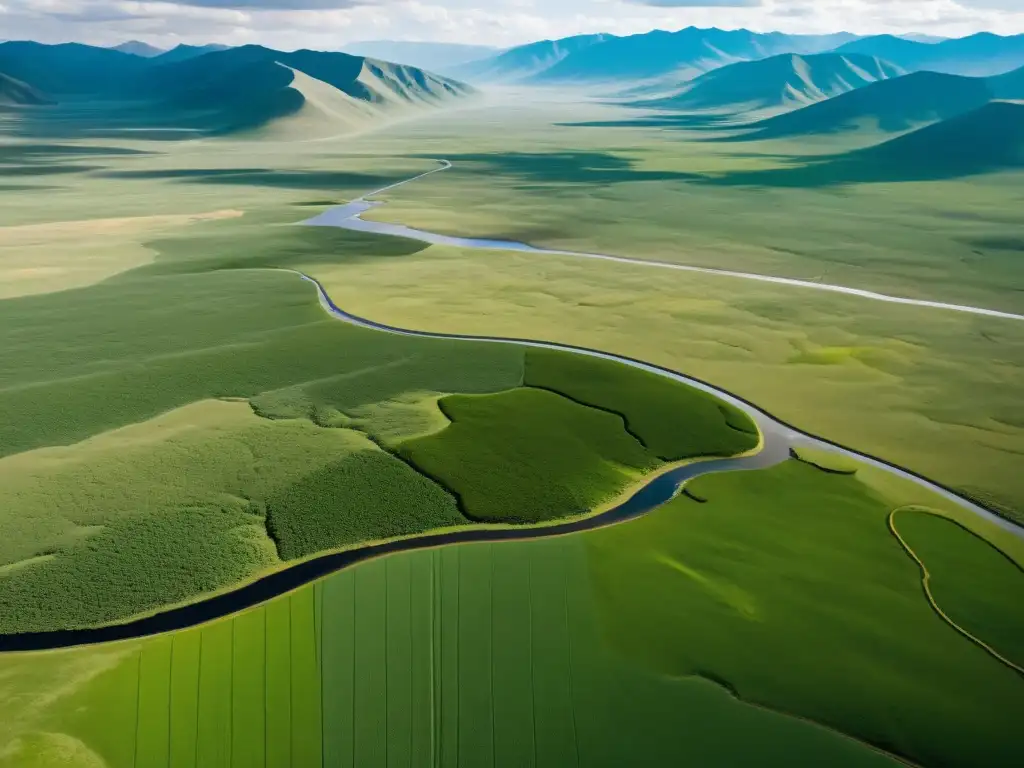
978, 55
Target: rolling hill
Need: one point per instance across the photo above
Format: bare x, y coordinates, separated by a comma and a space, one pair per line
778, 82
69, 68
14, 93
977, 55
526, 61
897, 104
223, 91
987, 139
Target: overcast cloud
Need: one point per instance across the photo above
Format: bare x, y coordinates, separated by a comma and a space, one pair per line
329, 24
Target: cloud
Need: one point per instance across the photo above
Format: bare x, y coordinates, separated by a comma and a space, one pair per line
697, 3
281, 5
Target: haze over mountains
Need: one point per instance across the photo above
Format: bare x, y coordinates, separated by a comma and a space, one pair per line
784, 81
688, 53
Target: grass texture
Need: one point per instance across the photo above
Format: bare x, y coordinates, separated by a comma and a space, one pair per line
528, 455
468, 656
978, 586
799, 564
672, 421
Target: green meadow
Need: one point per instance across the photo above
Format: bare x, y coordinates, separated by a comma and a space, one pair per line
178, 416
626, 645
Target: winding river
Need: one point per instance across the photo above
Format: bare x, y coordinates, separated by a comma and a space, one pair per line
349, 216
778, 441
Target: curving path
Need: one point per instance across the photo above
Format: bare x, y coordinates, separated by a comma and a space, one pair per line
349, 216
778, 438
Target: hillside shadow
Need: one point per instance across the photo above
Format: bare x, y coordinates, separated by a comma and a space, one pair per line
260, 177
846, 169
564, 167
38, 159
677, 121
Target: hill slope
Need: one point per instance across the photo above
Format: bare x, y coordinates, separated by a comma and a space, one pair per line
69, 68
888, 105
138, 48
247, 87
978, 55
526, 61
987, 139
783, 81
894, 105
16, 93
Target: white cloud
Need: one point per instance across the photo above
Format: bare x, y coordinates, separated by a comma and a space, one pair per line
328, 24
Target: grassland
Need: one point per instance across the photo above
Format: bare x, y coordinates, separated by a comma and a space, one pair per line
174, 488
672, 422
799, 564
470, 656
626, 645
528, 455
932, 391
975, 584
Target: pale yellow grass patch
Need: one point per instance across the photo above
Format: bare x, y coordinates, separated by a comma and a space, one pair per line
56, 256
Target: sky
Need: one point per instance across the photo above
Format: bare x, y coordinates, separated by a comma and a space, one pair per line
330, 24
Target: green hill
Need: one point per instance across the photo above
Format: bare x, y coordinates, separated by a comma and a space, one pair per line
890, 105
778, 82
69, 69
246, 87
221, 91
1009, 85
987, 139
16, 93
893, 105
979, 55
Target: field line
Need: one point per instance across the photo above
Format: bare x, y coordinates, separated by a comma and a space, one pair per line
926, 585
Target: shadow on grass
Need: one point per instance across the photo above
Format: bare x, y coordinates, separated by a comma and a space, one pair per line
257, 245
677, 121
263, 177
563, 167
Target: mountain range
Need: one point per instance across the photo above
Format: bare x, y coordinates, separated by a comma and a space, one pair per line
894, 105
221, 90
784, 81
676, 57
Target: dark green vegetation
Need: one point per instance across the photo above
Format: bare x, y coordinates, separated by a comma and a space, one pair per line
163, 493
976, 585
629, 645
671, 421
787, 587
778, 82
212, 91
892, 105
528, 455
470, 656
986, 140
363, 497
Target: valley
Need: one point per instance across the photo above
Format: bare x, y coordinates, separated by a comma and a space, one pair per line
600, 412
